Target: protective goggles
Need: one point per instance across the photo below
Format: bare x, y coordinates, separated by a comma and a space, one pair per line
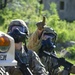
51, 36
21, 28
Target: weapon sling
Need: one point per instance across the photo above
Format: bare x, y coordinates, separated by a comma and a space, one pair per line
23, 67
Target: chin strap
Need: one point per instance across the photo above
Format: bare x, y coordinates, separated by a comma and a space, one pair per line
25, 48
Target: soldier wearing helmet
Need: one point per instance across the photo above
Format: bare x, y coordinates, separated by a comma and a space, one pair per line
37, 39
19, 31
43, 33
19, 23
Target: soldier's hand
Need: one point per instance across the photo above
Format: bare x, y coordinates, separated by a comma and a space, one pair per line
40, 25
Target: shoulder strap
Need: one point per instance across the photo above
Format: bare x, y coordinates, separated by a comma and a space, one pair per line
25, 48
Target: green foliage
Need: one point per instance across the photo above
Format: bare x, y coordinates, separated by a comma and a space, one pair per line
53, 21
53, 9
31, 12
72, 51
63, 36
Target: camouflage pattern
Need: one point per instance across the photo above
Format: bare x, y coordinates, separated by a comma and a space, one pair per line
28, 57
49, 64
63, 72
73, 69
34, 62
18, 22
34, 44
49, 30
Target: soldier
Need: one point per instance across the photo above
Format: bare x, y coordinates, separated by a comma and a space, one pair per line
43, 32
35, 42
19, 31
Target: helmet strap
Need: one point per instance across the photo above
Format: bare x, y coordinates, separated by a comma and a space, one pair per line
25, 48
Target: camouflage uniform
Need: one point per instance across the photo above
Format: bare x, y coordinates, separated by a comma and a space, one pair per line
65, 72
27, 56
31, 58
34, 44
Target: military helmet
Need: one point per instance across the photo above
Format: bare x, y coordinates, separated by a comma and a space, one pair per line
50, 31
47, 29
21, 23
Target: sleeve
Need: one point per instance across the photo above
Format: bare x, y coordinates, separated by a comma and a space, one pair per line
38, 67
34, 42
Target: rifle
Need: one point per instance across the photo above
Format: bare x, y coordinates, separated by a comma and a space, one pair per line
61, 61
23, 67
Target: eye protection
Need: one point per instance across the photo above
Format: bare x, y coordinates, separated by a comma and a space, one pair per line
49, 35
46, 36
21, 28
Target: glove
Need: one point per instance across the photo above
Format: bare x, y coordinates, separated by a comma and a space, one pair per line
41, 24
